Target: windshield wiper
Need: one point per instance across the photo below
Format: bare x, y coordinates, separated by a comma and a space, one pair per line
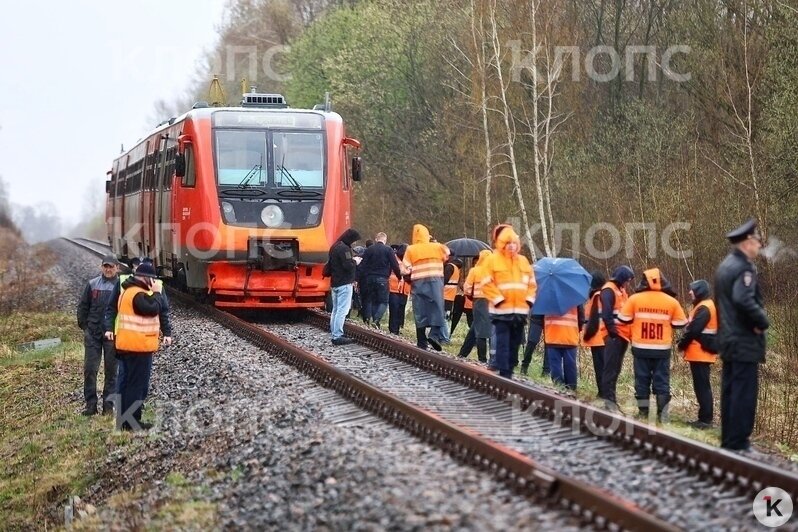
257, 168
287, 174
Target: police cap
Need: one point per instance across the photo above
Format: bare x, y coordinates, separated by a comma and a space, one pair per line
743, 232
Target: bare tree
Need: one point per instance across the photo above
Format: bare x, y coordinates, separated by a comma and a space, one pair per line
509, 129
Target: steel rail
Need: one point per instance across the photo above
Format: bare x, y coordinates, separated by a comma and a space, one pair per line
520, 472
723, 466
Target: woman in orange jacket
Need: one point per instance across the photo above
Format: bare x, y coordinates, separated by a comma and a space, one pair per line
510, 288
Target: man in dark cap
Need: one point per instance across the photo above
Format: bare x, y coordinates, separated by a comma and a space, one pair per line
742, 322
91, 311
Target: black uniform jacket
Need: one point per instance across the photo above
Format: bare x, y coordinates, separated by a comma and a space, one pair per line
740, 310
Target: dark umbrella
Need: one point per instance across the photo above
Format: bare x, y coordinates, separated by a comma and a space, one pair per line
562, 285
466, 247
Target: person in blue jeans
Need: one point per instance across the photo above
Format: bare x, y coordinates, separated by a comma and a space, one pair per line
341, 265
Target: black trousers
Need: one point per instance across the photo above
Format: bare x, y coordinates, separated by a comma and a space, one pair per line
396, 312
614, 351
534, 333
702, 389
133, 387
739, 388
598, 367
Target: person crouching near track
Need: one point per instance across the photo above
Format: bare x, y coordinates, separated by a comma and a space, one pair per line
136, 338
509, 286
653, 315
479, 331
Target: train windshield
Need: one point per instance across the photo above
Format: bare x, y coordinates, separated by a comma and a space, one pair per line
270, 159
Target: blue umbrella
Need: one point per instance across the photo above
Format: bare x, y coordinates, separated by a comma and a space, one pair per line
562, 285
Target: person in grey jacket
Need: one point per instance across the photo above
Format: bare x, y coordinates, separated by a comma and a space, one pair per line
94, 300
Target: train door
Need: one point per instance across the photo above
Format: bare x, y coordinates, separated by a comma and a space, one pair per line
121, 191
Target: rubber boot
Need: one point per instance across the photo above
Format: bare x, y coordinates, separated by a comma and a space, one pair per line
662, 408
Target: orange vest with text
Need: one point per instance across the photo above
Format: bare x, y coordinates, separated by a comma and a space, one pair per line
653, 315
694, 351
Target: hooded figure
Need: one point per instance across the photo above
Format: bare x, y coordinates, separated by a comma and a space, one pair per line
652, 315
425, 261
509, 286
699, 344
479, 331
342, 267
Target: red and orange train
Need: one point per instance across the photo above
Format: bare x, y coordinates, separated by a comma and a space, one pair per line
239, 203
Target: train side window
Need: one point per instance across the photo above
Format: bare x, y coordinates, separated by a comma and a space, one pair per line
190, 179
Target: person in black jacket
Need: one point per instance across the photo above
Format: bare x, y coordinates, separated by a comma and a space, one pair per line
379, 261
97, 295
742, 322
342, 276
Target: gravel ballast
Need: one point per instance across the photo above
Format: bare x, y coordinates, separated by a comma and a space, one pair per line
270, 449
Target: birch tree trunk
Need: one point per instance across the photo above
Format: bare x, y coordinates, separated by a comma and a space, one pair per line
509, 128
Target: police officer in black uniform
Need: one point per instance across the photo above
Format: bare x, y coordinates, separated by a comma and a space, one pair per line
742, 322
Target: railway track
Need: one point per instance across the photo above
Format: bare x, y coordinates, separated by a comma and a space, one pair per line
503, 426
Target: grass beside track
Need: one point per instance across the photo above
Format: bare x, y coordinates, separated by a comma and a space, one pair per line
48, 450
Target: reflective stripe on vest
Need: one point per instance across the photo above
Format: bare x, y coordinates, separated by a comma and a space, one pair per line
694, 352
597, 340
450, 288
562, 330
624, 330
426, 268
134, 333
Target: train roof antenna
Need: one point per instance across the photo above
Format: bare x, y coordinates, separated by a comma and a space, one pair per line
216, 95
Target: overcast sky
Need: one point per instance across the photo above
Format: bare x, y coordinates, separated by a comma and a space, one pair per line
80, 78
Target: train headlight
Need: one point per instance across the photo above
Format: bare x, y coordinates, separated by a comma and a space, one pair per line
272, 216
314, 209
228, 211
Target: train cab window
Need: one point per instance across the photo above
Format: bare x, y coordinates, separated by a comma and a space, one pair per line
190, 178
240, 157
298, 159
